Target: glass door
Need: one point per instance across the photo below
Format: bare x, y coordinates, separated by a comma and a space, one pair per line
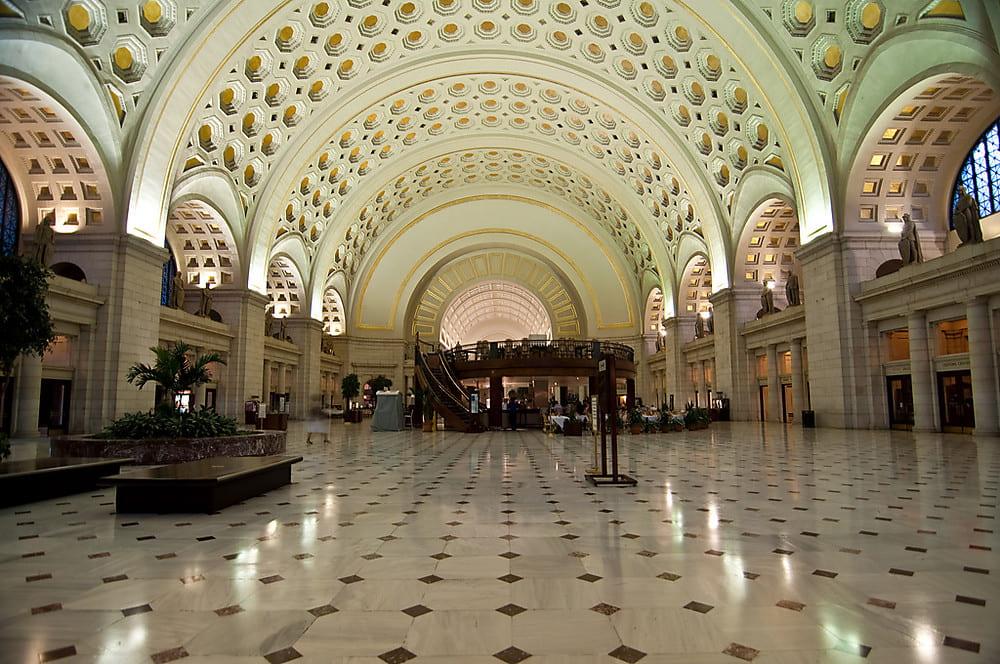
900, 393
955, 397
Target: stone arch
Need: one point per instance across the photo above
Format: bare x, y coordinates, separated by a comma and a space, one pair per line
203, 244
334, 311
766, 250
921, 76
285, 288
57, 169
469, 316
442, 283
695, 286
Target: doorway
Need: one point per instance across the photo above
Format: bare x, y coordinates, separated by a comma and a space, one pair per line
762, 393
955, 398
212, 394
900, 394
53, 411
787, 403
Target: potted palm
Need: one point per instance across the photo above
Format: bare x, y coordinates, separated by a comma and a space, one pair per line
378, 384
697, 418
428, 415
173, 372
635, 421
350, 388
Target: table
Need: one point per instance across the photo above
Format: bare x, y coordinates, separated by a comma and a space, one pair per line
388, 414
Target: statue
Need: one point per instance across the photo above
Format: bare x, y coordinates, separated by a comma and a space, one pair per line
45, 240
205, 305
766, 302
966, 218
710, 321
177, 292
699, 327
909, 243
268, 323
283, 329
792, 294
326, 345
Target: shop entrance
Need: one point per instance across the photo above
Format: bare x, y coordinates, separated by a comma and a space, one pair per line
53, 411
762, 394
955, 398
900, 394
787, 403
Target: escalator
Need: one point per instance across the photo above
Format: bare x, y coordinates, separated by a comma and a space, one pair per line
450, 400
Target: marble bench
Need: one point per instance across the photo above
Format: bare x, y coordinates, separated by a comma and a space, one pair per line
206, 485
28, 480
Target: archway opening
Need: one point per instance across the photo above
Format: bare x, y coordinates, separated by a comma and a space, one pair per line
493, 311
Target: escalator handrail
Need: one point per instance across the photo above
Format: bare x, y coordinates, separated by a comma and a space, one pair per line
429, 378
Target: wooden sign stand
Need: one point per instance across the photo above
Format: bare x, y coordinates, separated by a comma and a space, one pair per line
607, 416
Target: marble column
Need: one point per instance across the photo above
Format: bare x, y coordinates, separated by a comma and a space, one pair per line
28, 399
699, 368
731, 309
243, 312
282, 386
308, 336
984, 382
774, 413
198, 394
265, 395
677, 381
921, 373
798, 381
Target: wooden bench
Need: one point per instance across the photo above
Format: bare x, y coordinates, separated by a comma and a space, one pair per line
28, 480
207, 485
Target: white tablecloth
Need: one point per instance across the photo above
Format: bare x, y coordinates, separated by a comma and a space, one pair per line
559, 420
388, 414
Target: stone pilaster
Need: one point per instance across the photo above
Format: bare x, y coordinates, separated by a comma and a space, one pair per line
981, 360
676, 376
731, 368
243, 311
799, 392
308, 336
29, 392
774, 412
921, 373
127, 271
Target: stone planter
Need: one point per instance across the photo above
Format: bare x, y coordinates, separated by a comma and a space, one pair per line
635, 429
170, 450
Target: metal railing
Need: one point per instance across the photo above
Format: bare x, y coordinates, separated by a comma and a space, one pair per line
526, 349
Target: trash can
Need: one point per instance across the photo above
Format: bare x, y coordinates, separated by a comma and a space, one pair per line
808, 419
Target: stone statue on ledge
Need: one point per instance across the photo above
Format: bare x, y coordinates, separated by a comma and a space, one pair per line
45, 241
699, 327
909, 243
792, 293
326, 345
767, 302
268, 323
710, 321
966, 218
177, 292
205, 304
283, 329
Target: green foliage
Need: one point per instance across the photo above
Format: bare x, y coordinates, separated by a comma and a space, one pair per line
697, 417
380, 383
635, 417
350, 387
173, 371
24, 315
203, 423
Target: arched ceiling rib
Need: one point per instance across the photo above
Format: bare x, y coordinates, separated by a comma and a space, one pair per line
284, 73
202, 244
458, 170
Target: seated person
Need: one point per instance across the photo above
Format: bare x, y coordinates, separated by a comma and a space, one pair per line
557, 408
581, 413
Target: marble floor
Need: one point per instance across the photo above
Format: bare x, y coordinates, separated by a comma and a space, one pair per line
739, 544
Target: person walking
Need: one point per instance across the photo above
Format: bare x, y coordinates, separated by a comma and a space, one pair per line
318, 425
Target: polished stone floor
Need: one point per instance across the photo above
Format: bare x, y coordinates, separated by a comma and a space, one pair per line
739, 544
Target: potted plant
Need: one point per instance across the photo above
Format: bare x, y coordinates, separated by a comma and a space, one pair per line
379, 384
650, 426
350, 388
24, 315
429, 417
696, 418
635, 421
173, 372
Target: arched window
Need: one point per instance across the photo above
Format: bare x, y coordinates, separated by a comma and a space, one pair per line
981, 172
167, 278
10, 214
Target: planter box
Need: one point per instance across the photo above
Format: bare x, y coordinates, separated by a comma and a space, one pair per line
170, 450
